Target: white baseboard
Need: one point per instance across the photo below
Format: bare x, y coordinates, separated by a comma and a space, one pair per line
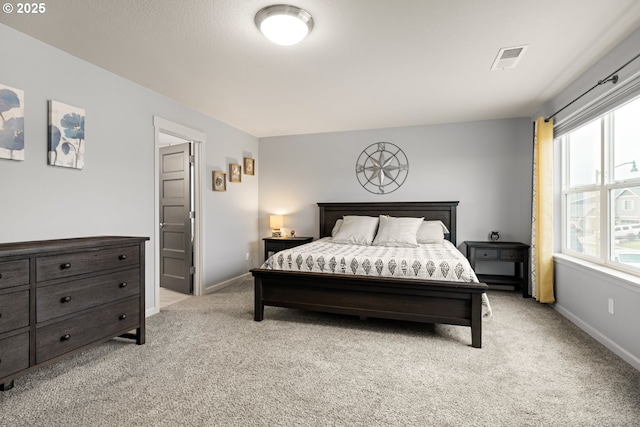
221, 285
598, 336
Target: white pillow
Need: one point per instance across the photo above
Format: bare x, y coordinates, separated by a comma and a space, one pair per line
356, 230
398, 232
336, 227
432, 232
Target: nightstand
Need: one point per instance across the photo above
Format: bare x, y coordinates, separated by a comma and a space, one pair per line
277, 244
515, 252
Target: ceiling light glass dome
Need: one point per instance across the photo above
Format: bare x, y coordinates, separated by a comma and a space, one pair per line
284, 24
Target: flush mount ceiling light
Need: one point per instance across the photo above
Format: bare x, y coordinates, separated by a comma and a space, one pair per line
284, 24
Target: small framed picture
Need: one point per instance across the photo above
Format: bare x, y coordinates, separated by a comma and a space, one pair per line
249, 163
219, 181
235, 172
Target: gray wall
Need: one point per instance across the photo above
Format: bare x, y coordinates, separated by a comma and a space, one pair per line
583, 289
485, 165
114, 193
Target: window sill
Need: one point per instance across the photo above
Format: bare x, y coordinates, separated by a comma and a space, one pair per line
617, 277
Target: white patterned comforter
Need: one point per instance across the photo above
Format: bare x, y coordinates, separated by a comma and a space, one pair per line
430, 261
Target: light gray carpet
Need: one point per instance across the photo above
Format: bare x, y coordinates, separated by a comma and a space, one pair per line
207, 363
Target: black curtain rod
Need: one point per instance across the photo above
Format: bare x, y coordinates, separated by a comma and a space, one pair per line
613, 77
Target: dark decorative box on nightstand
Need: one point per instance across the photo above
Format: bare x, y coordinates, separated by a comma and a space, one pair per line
515, 252
277, 244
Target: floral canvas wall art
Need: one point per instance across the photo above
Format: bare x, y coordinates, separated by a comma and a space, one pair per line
66, 135
11, 123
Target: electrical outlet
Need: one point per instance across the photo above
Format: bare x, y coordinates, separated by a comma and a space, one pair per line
610, 305
247, 257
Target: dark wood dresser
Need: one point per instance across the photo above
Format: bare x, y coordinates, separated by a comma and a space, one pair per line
58, 297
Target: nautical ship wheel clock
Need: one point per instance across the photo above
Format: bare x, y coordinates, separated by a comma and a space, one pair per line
382, 168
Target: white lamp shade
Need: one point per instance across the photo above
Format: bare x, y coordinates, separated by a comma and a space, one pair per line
276, 222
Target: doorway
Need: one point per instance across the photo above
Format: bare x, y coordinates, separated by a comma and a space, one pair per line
177, 241
176, 216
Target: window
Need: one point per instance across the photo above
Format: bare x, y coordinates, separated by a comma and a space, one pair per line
628, 205
601, 189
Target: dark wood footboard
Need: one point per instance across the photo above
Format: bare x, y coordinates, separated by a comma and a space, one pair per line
454, 303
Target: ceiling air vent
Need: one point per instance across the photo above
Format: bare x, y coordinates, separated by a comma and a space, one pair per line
508, 57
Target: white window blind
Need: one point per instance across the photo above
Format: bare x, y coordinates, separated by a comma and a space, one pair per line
598, 104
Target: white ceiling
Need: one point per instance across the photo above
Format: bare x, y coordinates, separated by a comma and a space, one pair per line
366, 64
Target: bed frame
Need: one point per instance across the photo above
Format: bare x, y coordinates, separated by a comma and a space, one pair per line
426, 301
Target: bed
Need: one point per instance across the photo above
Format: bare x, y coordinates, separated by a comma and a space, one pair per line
398, 298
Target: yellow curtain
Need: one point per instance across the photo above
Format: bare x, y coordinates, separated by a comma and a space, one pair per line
542, 218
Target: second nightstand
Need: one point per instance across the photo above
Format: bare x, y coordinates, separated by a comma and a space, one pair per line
277, 244
515, 252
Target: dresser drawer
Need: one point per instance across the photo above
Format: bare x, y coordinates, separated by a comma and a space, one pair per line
14, 311
68, 297
61, 266
14, 354
486, 253
511, 255
14, 273
67, 335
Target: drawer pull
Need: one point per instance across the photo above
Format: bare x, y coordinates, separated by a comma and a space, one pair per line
122, 257
123, 316
123, 284
65, 299
65, 266
65, 337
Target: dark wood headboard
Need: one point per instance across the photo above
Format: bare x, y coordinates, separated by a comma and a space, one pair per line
444, 211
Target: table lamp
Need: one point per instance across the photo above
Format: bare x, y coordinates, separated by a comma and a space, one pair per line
275, 223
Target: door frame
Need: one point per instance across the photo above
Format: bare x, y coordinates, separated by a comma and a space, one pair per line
198, 139
180, 153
